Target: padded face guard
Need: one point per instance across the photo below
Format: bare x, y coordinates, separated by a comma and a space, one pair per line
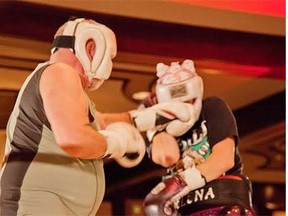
191, 89
180, 82
76, 35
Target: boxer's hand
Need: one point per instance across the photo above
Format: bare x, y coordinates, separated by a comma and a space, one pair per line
159, 115
164, 198
123, 138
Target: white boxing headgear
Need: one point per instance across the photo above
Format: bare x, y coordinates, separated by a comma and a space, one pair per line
75, 36
178, 82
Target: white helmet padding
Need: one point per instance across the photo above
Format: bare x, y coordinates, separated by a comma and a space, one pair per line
180, 82
75, 36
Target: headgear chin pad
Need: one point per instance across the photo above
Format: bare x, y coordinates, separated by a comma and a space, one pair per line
80, 32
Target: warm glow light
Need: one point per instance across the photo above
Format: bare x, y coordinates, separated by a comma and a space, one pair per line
140, 95
136, 209
263, 7
279, 213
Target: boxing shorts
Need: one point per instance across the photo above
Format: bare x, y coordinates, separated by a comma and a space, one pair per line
224, 194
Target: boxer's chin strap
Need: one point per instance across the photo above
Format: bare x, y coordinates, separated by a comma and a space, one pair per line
63, 41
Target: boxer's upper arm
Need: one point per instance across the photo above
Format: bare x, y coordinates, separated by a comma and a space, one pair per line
64, 101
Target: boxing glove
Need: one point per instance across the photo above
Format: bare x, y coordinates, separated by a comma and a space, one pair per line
158, 116
163, 199
124, 139
157, 202
178, 127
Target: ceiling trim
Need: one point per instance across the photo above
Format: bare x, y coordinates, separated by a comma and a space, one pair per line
187, 14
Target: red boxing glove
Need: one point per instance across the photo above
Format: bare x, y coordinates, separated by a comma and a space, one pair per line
162, 200
158, 201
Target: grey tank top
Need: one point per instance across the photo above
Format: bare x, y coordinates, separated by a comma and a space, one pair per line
35, 162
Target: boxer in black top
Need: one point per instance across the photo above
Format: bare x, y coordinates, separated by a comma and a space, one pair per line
204, 167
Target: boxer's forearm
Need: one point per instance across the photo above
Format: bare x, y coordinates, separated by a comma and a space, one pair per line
108, 118
220, 160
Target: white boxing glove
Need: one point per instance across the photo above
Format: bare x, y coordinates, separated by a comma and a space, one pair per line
177, 127
193, 179
158, 116
123, 138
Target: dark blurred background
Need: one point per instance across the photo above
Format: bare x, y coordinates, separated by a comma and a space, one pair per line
238, 48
